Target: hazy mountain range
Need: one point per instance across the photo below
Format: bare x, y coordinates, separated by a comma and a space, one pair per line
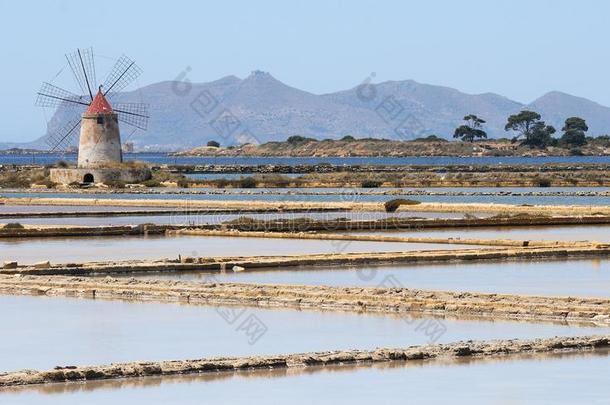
262, 108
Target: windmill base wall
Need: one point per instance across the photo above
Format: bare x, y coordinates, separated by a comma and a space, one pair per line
107, 176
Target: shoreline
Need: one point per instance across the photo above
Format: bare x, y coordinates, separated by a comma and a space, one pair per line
313, 206
431, 352
329, 175
340, 261
395, 300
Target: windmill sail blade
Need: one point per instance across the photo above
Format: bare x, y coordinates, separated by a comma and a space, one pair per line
82, 65
53, 96
65, 135
134, 114
124, 72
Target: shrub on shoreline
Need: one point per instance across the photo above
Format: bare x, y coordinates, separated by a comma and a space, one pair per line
247, 182
13, 225
370, 184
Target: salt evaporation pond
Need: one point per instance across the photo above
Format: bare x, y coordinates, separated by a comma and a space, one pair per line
165, 158
193, 218
480, 195
586, 278
79, 249
598, 233
43, 332
559, 378
8, 208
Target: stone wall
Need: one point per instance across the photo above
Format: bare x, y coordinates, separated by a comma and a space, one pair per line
110, 175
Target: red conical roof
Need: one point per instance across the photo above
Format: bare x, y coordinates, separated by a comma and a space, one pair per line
99, 105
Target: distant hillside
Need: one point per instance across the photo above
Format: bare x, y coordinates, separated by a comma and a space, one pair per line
439, 109
556, 106
304, 147
268, 110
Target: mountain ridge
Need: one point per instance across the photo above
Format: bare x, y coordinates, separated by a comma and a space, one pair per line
265, 109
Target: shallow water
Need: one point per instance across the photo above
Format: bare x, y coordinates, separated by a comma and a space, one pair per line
599, 233
234, 176
43, 332
352, 195
566, 378
4, 208
79, 249
589, 278
163, 158
201, 219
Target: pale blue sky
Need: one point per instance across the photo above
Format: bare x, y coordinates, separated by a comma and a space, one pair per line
520, 49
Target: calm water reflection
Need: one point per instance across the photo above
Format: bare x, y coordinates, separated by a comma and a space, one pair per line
352, 195
61, 250
70, 208
553, 378
599, 233
43, 332
200, 219
576, 277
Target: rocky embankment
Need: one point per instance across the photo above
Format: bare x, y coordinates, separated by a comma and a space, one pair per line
171, 178
372, 238
388, 298
305, 224
562, 250
194, 204
461, 350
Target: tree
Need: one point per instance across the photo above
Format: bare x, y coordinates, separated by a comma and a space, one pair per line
533, 131
299, 139
471, 130
213, 144
574, 132
541, 137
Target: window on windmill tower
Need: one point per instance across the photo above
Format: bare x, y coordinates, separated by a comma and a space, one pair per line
100, 120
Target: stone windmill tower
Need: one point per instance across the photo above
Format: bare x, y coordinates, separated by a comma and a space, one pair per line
100, 141
100, 157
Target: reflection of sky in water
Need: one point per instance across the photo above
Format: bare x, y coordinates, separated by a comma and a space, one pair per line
575, 278
70, 208
194, 218
565, 378
42, 332
62, 250
599, 233
163, 158
288, 195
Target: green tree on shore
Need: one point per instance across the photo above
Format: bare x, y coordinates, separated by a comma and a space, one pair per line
471, 130
531, 129
574, 131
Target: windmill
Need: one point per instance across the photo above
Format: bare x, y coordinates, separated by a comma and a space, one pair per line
90, 115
